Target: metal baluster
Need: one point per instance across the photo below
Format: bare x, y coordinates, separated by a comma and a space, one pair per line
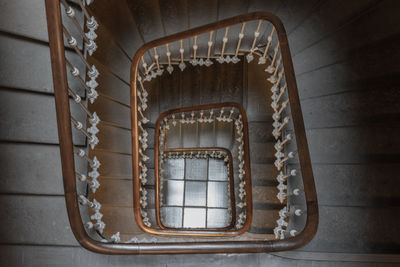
182, 64
94, 163
74, 44
89, 86
271, 68
279, 145
92, 138
170, 69
194, 61
159, 70
262, 60
235, 59
208, 62
250, 56
272, 79
221, 58
279, 162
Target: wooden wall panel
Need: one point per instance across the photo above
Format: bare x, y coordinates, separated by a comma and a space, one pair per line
30, 117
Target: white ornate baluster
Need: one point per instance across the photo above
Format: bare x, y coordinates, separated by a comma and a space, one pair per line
235, 59
166, 125
94, 163
143, 198
285, 121
95, 205
92, 138
145, 218
170, 69
250, 56
100, 226
144, 120
275, 104
93, 118
88, 38
115, 238
144, 66
282, 222
211, 119
159, 70
284, 213
279, 145
281, 186
219, 118
221, 58
208, 62
272, 79
262, 60
229, 119
192, 120
281, 196
144, 157
194, 61
91, 23
271, 68
145, 134
281, 177
278, 231
182, 64
89, 86
144, 92
201, 119
183, 118
93, 184
279, 162
277, 114
173, 120
142, 100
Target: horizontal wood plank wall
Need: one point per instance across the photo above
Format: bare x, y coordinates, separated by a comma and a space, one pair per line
76, 256
333, 69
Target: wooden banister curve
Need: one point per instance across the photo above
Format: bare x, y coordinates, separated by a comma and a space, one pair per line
67, 155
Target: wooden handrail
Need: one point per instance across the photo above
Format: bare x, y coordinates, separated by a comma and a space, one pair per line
57, 53
249, 210
305, 163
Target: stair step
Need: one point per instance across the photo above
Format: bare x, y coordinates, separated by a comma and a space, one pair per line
265, 195
119, 219
114, 165
264, 220
108, 81
263, 174
111, 111
117, 18
111, 55
262, 153
114, 139
114, 192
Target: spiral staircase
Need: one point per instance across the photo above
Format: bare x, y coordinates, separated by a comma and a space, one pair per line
151, 95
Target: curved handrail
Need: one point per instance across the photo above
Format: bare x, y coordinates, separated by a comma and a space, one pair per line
67, 156
249, 208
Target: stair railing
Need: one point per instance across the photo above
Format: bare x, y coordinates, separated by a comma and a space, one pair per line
222, 112
288, 126
62, 93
